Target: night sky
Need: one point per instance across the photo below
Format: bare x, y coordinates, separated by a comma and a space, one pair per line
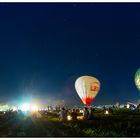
45, 47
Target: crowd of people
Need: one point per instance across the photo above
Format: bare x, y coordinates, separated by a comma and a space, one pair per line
87, 113
65, 114
74, 113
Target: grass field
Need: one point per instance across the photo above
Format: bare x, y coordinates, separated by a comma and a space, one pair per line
122, 123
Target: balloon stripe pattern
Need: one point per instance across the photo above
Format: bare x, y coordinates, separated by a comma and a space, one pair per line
87, 88
137, 79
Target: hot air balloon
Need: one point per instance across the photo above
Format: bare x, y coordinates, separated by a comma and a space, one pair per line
137, 79
87, 88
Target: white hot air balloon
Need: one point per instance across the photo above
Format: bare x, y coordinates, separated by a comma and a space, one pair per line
87, 88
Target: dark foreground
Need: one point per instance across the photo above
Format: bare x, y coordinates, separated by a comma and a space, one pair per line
122, 123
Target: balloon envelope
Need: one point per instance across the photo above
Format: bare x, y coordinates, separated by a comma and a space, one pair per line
87, 88
137, 79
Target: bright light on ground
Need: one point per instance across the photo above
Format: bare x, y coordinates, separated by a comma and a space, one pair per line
34, 108
80, 117
25, 107
69, 117
106, 112
128, 106
14, 109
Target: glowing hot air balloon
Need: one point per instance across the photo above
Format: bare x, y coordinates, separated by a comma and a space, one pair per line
87, 88
137, 79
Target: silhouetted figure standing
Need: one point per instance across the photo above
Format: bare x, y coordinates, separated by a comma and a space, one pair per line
91, 113
74, 115
86, 113
110, 110
138, 107
63, 114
